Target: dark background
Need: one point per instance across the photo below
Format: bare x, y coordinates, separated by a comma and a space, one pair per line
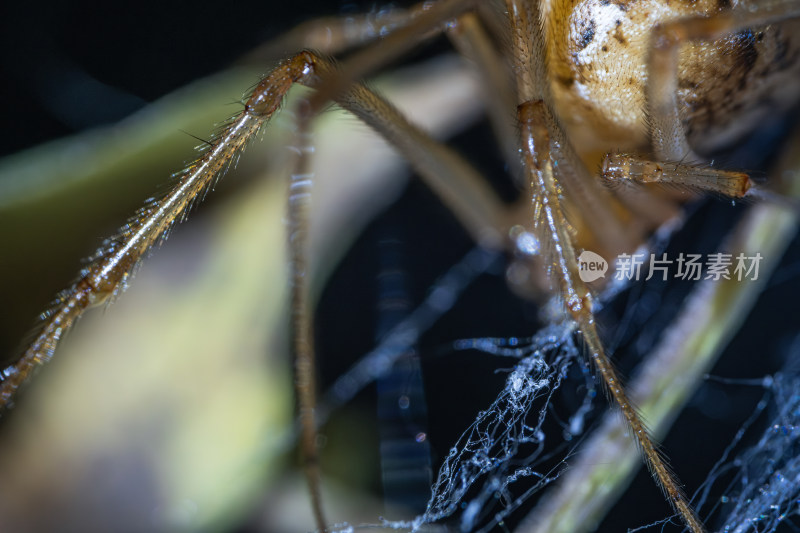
105, 60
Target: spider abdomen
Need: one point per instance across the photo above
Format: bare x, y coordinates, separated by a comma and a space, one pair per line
598, 52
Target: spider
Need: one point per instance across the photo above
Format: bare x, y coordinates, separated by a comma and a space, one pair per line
580, 302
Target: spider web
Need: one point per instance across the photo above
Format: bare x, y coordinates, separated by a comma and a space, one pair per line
500, 461
505, 444
761, 482
502, 457
489, 450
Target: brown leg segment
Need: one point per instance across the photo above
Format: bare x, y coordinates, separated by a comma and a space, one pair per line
392, 47
302, 321
110, 268
471, 40
454, 180
536, 122
335, 35
622, 168
461, 187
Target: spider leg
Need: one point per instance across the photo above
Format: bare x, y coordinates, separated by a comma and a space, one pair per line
536, 123
338, 34
473, 42
619, 169
302, 323
109, 270
593, 206
675, 162
461, 188
392, 46
604, 222
711, 316
653, 209
667, 134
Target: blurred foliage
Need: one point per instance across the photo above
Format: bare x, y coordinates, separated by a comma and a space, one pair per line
172, 410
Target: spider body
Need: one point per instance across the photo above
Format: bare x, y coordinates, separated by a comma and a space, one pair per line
598, 59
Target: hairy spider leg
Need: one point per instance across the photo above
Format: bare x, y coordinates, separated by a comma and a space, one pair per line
594, 207
109, 270
536, 123
621, 169
461, 188
681, 358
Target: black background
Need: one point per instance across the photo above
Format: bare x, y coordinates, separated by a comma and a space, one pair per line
56, 56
